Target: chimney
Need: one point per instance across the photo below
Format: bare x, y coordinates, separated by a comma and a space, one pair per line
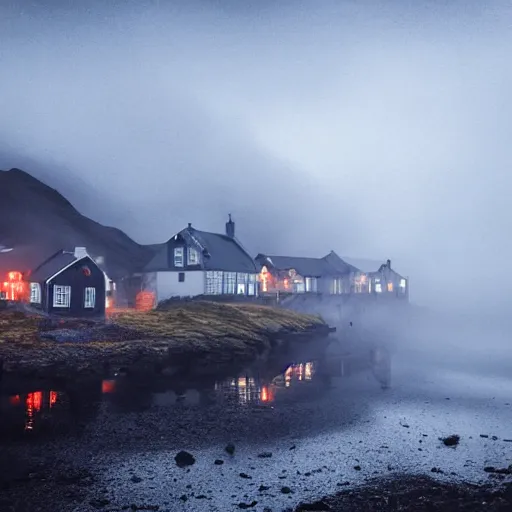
389, 263
189, 226
80, 252
230, 227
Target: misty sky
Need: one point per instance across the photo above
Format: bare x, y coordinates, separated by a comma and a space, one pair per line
377, 129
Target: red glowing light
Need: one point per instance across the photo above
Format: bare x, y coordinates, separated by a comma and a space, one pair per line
266, 395
108, 386
14, 288
34, 401
53, 398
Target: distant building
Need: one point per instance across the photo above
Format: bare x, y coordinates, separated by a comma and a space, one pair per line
291, 274
380, 277
195, 262
329, 275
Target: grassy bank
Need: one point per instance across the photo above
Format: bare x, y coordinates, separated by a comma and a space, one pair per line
193, 336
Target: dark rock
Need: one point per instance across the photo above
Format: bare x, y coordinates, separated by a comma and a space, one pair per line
452, 440
498, 471
485, 436
437, 470
247, 505
292, 447
286, 490
494, 438
183, 497
245, 475
136, 479
357, 468
230, 448
184, 459
263, 488
218, 462
265, 455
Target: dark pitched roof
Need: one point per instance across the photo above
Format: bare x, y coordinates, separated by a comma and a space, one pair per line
341, 266
307, 267
220, 252
51, 266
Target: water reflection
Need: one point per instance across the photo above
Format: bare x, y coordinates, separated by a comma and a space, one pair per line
26, 411
50, 410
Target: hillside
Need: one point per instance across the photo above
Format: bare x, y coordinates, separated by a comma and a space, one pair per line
36, 215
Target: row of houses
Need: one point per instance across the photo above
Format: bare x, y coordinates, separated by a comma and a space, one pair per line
191, 263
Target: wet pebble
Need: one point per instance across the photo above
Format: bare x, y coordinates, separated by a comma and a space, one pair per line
184, 459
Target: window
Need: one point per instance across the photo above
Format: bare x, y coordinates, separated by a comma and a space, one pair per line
61, 296
403, 284
178, 256
181, 277
241, 283
378, 286
311, 284
213, 285
193, 256
390, 287
90, 297
251, 286
35, 293
229, 284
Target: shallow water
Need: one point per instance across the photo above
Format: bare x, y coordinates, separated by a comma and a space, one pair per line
320, 418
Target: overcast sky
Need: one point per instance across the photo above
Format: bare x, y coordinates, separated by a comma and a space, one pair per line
377, 129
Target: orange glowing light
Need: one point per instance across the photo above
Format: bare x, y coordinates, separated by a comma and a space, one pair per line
264, 279
266, 395
53, 398
14, 288
145, 301
108, 386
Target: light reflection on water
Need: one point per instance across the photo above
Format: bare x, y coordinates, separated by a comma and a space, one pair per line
46, 409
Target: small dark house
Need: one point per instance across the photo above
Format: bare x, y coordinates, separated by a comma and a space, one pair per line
68, 283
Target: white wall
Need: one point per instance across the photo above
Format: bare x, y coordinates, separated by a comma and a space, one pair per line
168, 285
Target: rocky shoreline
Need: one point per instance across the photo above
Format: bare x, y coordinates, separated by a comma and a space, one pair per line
197, 338
417, 493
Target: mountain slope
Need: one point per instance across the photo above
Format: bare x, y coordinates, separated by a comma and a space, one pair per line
34, 214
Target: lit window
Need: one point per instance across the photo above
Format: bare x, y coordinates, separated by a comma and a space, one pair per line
251, 287
241, 283
193, 256
35, 293
402, 284
378, 286
213, 284
90, 297
178, 256
229, 282
311, 284
61, 296
390, 287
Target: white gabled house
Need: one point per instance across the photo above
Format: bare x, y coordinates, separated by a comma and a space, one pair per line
195, 262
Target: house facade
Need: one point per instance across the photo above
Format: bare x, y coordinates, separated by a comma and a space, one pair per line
290, 274
195, 262
329, 275
68, 284
378, 278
